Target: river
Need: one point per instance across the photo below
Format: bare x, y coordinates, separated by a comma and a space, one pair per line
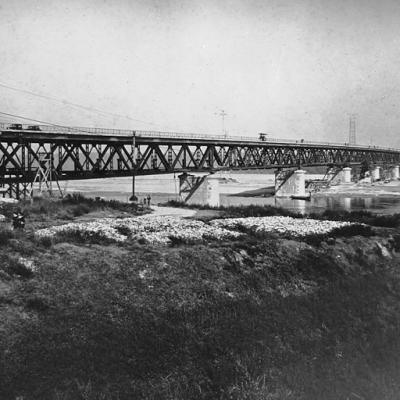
381, 199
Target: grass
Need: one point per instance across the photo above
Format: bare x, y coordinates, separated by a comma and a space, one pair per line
257, 318
44, 211
239, 211
238, 320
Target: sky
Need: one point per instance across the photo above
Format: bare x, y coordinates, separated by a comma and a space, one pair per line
291, 69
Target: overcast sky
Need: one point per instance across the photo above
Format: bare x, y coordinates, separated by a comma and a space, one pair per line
293, 69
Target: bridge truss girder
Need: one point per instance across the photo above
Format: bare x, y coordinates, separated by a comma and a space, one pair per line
92, 157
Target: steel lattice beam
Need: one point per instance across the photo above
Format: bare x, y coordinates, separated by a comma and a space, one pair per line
84, 156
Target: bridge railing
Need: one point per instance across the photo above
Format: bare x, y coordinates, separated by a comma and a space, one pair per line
177, 135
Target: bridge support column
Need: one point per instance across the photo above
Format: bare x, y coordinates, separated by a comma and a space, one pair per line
202, 190
395, 172
294, 184
346, 175
337, 175
376, 173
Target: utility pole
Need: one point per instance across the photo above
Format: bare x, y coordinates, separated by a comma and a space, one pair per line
223, 114
352, 129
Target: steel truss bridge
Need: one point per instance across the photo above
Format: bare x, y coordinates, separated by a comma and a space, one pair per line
88, 153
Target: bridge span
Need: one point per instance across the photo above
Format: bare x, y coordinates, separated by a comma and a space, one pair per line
66, 153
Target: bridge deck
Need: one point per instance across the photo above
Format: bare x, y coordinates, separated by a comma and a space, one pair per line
48, 132
88, 153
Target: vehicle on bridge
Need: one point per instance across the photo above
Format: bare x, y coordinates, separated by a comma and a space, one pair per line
15, 127
20, 127
33, 128
262, 136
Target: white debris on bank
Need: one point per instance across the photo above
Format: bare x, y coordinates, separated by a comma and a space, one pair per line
164, 229
154, 229
282, 225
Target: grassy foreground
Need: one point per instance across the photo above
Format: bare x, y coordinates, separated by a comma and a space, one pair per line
257, 318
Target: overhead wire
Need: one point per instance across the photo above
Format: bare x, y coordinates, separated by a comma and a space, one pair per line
45, 122
66, 102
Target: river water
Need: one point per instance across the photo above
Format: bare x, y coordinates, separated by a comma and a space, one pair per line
383, 199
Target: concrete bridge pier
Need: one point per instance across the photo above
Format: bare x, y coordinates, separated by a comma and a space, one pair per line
346, 175
337, 175
199, 189
376, 174
395, 172
290, 183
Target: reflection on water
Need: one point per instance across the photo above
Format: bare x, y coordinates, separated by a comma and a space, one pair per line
318, 204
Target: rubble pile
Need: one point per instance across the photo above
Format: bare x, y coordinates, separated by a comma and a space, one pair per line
153, 229
296, 227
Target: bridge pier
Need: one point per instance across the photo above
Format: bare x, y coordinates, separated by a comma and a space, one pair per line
376, 174
346, 175
337, 175
395, 172
202, 190
290, 183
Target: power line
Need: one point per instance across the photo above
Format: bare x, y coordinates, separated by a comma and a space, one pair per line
44, 122
65, 102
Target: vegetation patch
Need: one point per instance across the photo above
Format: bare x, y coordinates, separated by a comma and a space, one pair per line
257, 315
231, 321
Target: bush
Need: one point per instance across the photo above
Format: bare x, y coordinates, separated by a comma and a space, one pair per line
123, 230
353, 230
74, 204
5, 236
344, 231
45, 241
80, 209
396, 242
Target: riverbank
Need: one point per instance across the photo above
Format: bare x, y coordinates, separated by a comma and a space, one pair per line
223, 309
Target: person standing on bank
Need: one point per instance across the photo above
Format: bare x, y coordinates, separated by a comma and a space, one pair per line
148, 199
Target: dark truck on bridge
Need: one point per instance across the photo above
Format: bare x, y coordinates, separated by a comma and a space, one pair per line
33, 128
15, 127
19, 127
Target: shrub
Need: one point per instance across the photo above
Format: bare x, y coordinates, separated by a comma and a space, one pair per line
396, 242
5, 236
80, 209
123, 230
344, 231
45, 241
179, 240
353, 230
